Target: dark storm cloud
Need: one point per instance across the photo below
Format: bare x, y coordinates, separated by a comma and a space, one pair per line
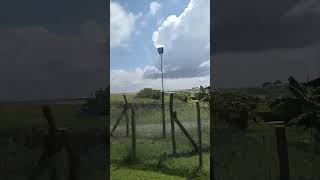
248, 25
52, 55
258, 41
243, 69
59, 16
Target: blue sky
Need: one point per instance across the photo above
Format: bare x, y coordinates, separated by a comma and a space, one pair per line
134, 25
140, 50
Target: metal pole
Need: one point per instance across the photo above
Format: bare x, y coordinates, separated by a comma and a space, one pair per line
161, 73
162, 104
163, 116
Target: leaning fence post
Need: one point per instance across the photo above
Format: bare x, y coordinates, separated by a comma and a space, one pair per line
71, 159
185, 132
133, 128
117, 122
126, 114
47, 113
173, 134
199, 135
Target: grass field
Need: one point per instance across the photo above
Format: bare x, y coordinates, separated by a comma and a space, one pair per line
21, 147
154, 153
252, 154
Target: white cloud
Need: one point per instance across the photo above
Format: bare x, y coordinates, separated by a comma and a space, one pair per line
205, 64
185, 39
124, 81
185, 60
154, 7
122, 25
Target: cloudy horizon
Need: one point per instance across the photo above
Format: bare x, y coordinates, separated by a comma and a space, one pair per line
138, 30
48, 55
259, 41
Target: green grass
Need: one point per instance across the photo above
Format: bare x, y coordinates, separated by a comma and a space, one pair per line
246, 156
18, 156
134, 174
149, 111
238, 155
154, 153
65, 115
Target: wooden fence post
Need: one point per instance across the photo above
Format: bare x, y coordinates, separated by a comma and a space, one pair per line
199, 135
47, 114
163, 116
185, 132
118, 121
213, 129
54, 142
266, 164
173, 134
311, 136
133, 128
107, 142
71, 159
282, 152
126, 115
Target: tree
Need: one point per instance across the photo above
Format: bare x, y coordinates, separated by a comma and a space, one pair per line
203, 94
149, 93
308, 95
183, 96
266, 84
277, 82
302, 109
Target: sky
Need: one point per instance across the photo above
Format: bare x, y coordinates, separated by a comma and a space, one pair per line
259, 41
57, 49
52, 49
137, 28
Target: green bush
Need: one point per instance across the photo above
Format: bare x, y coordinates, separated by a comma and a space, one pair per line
100, 103
203, 94
149, 93
182, 96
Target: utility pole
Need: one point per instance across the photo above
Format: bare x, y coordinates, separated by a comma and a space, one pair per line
160, 51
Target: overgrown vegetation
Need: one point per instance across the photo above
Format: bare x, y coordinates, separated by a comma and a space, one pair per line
183, 96
297, 104
149, 93
301, 109
203, 94
99, 103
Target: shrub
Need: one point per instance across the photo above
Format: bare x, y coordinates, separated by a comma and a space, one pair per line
203, 95
182, 96
149, 93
